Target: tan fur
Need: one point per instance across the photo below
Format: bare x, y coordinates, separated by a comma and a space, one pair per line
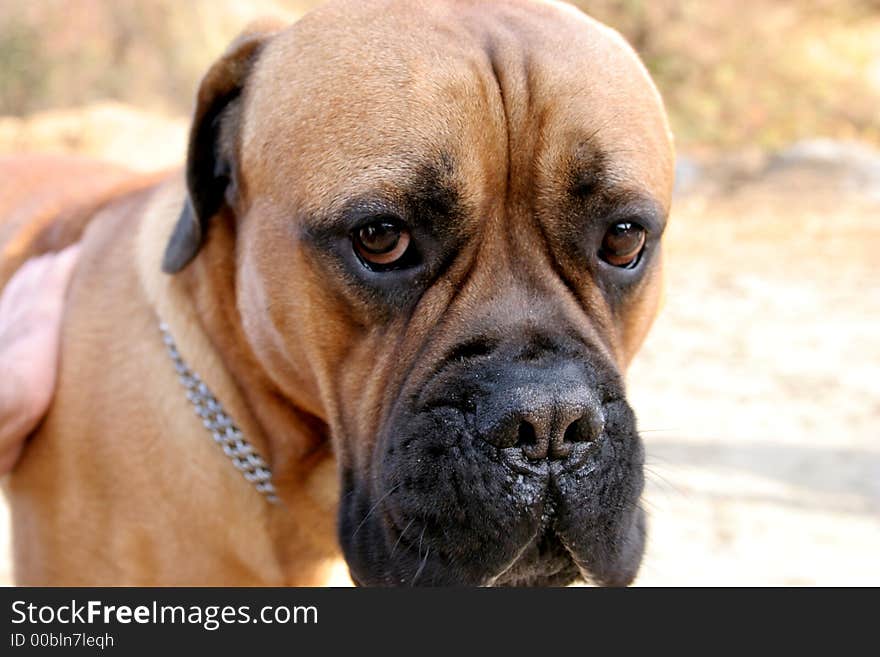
121, 484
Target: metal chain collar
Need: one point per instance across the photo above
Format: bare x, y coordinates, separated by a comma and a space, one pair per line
242, 454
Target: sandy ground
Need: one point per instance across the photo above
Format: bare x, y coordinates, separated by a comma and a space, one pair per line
758, 391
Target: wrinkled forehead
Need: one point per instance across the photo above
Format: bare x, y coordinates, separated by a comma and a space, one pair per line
361, 94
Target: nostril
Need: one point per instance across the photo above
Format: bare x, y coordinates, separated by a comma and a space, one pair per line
575, 434
585, 429
526, 435
572, 433
534, 446
543, 423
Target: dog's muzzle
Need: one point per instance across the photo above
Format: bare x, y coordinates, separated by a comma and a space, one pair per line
509, 464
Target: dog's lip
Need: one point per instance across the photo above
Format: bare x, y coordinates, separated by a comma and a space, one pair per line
514, 459
577, 459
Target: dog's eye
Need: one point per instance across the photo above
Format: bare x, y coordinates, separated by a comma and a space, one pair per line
622, 244
382, 242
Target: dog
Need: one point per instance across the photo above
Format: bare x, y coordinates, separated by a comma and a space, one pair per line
383, 314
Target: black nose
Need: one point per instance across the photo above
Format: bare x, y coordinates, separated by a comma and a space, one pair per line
544, 417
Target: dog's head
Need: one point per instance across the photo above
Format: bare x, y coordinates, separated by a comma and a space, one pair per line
448, 220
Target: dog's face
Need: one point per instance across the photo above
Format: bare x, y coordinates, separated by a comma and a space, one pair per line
448, 247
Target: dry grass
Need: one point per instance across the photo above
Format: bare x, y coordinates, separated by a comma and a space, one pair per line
108, 131
762, 72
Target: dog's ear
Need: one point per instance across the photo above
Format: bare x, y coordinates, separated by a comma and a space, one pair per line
213, 140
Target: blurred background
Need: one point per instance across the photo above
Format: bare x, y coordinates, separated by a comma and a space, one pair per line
758, 390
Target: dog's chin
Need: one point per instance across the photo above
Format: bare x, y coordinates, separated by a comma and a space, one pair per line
544, 562
547, 560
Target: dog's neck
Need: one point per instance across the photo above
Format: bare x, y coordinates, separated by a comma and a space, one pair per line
294, 437
199, 307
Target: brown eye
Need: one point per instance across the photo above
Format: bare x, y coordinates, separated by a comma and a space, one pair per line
382, 242
622, 244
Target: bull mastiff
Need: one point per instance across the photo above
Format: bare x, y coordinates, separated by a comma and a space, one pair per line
384, 313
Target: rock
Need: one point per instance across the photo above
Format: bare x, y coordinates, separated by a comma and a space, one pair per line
688, 173
854, 165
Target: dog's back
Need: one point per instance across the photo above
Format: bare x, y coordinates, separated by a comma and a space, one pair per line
47, 201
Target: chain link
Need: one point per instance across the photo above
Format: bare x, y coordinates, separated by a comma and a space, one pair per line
221, 427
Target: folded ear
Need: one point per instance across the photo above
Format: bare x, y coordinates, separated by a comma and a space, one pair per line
213, 140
